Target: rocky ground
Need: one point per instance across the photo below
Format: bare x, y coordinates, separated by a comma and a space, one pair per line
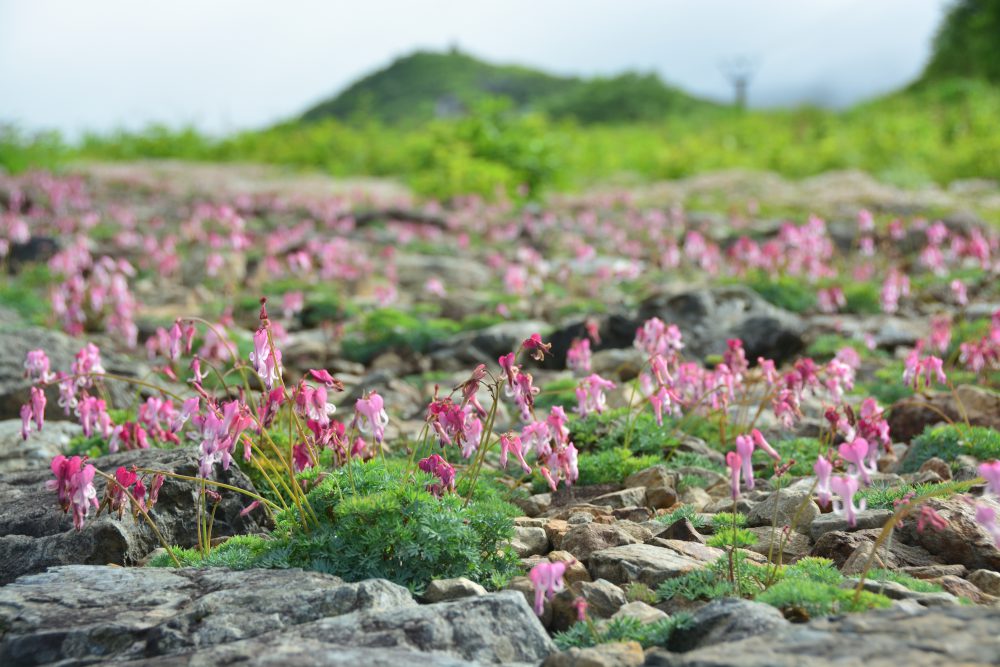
465, 285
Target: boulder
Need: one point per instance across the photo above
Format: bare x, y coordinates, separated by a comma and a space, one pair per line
961, 541
584, 539
783, 508
443, 590
726, 620
909, 417
38, 450
647, 564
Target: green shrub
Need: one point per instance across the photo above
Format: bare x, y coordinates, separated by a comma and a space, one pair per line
584, 635
863, 298
381, 524
683, 512
788, 292
815, 598
914, 584
803, 450
611, 466
640, 432
948, 442
880, 496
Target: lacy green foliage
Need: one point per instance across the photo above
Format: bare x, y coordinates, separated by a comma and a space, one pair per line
637, 592
880, 496
387, 328
786, 292
728, 531
950, 441
827, 346
683, 512
679, 459
611, 466
383, 525
812, 586
587, 634
722, 520
862, 298
914, 584
616, 428
804, 452
238, 553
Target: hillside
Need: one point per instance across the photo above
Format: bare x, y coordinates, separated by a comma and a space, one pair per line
426, 85
967, 43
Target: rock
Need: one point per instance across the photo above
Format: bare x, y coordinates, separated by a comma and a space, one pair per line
621, 365
696, 498
16, 342
623, 498
938, 467
683, 530
575, 570
633, 514
987, 581
895, 591
613, 654
783, 508
964, 589
859, 560
961, 541
726, 620
867, 519
584, 539
616, 333
603, 599
643, 563
483, 346
38, 451
443, 590
839, 546
35, 534
75, 612
921, 638
709, 316
641, 612
935, 571
556, 529
744, 505
526, 589
694, 445
910, 416
534, 505
659, 485
529, 541
788, 547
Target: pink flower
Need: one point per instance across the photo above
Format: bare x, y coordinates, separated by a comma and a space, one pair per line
845, 487
548, 477
761, 443
855, 454
960, 292
734, 461
511, 442
437, 466
524, 395
535, 347
300, 457
991, 473
267, 365
986, 517
94, 414
36, 366
823, 468
509, 369
590, 394
578, 356
371, 417
547, 578
929, 518
744, 448
74, 486
580, 604
324, 376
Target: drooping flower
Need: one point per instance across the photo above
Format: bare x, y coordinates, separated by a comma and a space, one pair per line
845, 487
823, 469
590, 394
371, 417
36, 366
535, 347
266, 364
578, 356
855, 453
547, 578
511, 442
437, 466
74, 485
734, 462
991, 473
986, 517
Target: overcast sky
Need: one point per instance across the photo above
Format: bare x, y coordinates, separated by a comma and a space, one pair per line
224, 65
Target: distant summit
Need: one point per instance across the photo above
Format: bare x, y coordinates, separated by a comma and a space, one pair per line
967, 44
427, 85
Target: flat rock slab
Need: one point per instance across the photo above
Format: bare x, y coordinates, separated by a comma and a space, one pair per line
888, 638
35, 533
650, 564
79, 615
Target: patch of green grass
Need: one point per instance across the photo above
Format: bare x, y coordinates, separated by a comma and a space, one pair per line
611, 466
880, 496
587, 634
802, 450
683, 512
914, 584
949, 441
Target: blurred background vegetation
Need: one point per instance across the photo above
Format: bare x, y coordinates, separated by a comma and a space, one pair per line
449, 124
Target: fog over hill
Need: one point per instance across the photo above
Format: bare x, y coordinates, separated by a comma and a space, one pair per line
230, 65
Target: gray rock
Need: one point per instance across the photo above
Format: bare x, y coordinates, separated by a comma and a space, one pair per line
708, 317
35, 534
780, 546
895, 591
534, 505
530, 541
659, 484
16, 342
613, 654
783, 508
584, 539
885, 638
644, 563
987, 581
485, 345
39, 449
726, 620
641, 612
443, 590
212, 616
868, 519
624, 498
962, 540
